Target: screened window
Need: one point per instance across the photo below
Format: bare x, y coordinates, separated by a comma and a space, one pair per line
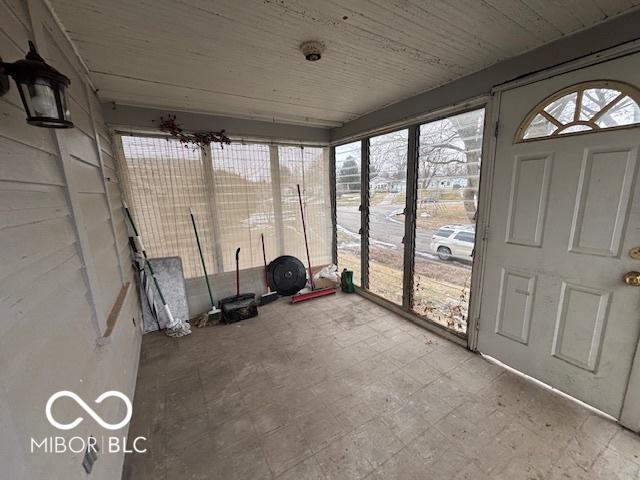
348, 222
309, 168
162, 179
237, 194
243, 196
590, 106
449, 157
387, 198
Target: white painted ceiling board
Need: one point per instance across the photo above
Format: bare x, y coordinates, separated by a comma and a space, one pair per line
614, 7
241, 57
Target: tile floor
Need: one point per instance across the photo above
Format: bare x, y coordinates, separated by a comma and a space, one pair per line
339, 388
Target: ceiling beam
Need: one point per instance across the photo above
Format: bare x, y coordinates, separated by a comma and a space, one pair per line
142, 119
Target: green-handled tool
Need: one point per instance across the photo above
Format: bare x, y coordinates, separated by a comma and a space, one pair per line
213, 314
174, 327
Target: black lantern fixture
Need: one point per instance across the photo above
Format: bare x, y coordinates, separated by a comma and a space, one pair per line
42, 88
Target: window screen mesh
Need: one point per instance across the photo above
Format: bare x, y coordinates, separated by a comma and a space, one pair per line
308, 167
163, 179
243, 197
237, 193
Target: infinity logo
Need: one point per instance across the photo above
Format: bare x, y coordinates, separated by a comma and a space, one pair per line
89, 410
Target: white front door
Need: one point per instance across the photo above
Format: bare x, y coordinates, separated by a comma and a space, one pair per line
565, 212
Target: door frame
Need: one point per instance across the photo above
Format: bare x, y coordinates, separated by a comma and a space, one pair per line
492, 125
630, 414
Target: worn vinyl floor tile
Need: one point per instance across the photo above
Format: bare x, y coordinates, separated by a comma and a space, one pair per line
306, 470
344, 459
270, 417
320, 428
403, 465
231, 432
284, 448
340, 389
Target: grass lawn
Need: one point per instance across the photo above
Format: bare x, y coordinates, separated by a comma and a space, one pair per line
435, 215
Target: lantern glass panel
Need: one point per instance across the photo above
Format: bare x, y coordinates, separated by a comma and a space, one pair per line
40, 99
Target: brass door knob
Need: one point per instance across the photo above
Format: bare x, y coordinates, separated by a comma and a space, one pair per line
632, 278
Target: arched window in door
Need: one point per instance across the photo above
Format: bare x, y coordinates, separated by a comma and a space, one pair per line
582, 108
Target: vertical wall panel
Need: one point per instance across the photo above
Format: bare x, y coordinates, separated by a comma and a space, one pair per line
48, 320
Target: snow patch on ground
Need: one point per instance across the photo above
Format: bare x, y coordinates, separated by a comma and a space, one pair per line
372, 241
393, 214
340, 228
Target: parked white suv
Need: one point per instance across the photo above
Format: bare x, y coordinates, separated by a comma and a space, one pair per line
454, 241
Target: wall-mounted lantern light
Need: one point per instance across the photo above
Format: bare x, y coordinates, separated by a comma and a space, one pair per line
42, 88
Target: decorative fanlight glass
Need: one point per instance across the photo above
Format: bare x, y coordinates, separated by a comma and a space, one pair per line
42, 88
586, 107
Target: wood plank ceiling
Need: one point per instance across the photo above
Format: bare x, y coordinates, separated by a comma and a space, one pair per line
241, 57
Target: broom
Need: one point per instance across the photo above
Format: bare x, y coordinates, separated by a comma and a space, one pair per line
314, 292
213, 314
269, 296
174, 327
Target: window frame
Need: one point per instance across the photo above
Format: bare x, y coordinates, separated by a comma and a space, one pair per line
483, 102
207, 162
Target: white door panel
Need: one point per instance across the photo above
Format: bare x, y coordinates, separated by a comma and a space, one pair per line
564, 213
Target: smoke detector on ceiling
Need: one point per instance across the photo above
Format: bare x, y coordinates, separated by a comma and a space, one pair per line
312, 50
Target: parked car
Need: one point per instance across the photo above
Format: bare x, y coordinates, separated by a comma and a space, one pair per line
454, 241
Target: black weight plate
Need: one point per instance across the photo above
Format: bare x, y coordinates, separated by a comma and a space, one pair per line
286, 275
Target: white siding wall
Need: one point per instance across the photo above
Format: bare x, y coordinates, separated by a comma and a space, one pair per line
63, 260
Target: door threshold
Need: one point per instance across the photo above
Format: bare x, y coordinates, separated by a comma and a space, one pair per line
553, 390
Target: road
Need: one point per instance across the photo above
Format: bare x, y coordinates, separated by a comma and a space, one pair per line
386, 230
383, 227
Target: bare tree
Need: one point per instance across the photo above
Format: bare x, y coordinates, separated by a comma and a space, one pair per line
470, 133
388, 156
451, 148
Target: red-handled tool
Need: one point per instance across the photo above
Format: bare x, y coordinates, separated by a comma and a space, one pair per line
241, 305
301, 297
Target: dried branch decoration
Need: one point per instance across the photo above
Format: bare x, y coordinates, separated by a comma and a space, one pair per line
201, 139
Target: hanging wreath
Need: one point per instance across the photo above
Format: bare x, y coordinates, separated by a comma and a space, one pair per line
199, 139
